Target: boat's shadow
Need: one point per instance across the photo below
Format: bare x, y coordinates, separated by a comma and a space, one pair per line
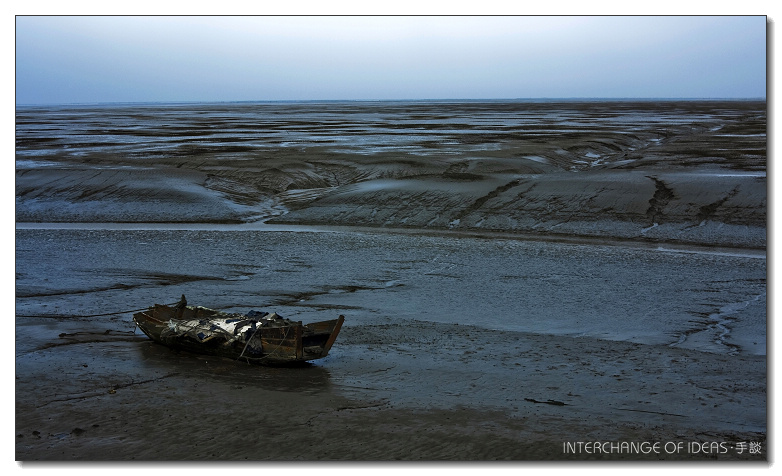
301, 377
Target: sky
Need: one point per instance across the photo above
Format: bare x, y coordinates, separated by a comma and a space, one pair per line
94, 59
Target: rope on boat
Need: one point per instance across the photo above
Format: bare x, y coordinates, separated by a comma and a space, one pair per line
90, 315
257, 328
266, 356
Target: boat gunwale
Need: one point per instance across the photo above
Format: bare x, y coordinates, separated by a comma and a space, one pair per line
331, 328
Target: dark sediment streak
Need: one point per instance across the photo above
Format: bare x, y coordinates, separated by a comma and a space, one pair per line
687, 172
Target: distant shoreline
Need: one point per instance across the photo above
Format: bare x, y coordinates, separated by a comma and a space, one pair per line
374, 101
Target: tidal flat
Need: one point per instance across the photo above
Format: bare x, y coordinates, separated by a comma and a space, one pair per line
515, 276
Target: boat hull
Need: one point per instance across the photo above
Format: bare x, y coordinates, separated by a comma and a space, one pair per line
261, 340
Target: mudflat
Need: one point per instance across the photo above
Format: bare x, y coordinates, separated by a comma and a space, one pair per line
520, 280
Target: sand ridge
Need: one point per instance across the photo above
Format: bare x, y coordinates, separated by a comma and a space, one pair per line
687, 171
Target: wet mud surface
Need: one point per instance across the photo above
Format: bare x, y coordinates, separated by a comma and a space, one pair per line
514, 276
453, 348
687, 171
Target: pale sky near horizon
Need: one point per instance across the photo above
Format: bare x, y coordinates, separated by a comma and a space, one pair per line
71, 59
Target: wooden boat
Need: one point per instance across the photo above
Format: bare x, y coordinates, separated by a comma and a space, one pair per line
257, 337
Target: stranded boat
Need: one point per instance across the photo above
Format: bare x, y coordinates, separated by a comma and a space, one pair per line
257, 337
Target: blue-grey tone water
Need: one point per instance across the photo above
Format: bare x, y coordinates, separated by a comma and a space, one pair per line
708, 301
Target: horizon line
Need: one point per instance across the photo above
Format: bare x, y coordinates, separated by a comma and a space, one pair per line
520, 99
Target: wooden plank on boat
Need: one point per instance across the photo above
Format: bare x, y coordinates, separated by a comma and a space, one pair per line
333, 336
283, 342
